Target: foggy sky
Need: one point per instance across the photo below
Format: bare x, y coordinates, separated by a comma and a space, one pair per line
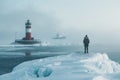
100, 19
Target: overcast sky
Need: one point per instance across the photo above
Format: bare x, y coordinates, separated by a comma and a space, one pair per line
100, 19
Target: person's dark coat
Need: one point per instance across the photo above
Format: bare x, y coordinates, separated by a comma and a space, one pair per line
86, 41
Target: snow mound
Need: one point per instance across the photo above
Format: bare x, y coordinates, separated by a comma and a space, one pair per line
67, 67
100, 63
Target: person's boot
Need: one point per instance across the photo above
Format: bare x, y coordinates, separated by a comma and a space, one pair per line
85, 52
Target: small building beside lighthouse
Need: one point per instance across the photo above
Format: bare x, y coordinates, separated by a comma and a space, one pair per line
28, 39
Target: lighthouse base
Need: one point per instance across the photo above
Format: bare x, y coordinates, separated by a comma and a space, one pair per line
21, 41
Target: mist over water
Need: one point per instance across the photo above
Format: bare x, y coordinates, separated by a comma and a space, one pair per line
98, 19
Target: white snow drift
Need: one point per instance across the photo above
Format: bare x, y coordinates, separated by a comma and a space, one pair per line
67, 67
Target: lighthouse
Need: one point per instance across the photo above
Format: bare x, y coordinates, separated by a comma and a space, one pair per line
28, 39
28, 30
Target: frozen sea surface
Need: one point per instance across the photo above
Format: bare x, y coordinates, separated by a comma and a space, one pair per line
74, 66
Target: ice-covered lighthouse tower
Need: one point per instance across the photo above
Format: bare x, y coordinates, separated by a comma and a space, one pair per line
28, 30
28, 39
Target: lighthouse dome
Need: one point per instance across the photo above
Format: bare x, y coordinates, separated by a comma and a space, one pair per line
28, 22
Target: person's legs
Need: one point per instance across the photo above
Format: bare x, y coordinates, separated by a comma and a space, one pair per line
87, 49
84, 49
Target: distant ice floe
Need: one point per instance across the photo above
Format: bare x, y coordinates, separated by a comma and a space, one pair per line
75, 66
99, 78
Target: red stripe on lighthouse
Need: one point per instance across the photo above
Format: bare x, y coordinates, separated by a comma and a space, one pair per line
28, 36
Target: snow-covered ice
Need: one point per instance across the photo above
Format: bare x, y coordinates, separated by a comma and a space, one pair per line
74, 66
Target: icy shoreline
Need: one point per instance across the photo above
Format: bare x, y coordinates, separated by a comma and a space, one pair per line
74, 66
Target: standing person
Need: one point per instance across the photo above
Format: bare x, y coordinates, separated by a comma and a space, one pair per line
86, 42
